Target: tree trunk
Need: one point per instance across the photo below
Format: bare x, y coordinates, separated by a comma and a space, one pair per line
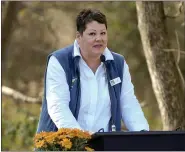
7, 26
163, 69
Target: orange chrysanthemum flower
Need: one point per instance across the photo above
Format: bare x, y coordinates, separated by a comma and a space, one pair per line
40, 144
88, 148
63, 139
66, 143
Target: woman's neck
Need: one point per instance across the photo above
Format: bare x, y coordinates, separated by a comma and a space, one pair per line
92, 62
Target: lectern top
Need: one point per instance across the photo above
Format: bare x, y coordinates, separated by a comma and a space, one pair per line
121, 133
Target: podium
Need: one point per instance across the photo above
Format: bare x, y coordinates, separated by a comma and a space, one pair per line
149, 140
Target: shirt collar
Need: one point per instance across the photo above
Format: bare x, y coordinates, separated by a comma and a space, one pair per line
107, 52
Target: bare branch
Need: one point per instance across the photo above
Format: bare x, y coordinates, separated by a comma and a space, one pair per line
178, 13
178, 47
174, 50
178, 59
144, 104
181, 77
49, 27
19, 96
40, 15
40, 50
176, 62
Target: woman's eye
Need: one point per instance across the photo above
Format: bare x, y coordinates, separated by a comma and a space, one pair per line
92, 34
103, 33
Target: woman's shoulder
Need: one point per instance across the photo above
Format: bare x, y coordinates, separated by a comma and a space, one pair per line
63, 51
118, 56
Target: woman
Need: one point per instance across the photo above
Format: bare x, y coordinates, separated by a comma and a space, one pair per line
87, 86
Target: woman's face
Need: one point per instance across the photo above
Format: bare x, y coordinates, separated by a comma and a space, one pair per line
94, 39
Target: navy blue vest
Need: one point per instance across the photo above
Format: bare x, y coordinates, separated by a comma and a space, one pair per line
70, 65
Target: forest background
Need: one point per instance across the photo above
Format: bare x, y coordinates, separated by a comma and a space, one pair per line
32, 30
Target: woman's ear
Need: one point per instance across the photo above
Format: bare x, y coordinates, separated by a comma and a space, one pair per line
78, 37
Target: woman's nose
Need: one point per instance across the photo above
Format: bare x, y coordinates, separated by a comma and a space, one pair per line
99, 38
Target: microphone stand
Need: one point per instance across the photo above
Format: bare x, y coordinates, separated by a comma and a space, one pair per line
102, 59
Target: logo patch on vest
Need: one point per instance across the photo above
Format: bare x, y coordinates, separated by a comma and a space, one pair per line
115, 81
73, 82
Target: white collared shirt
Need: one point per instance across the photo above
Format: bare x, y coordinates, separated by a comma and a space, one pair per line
94, 112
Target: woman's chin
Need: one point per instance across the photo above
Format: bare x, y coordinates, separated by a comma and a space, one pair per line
98, 51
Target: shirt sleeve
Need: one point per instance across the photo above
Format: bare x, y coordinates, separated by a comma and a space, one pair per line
132, 114
58, 96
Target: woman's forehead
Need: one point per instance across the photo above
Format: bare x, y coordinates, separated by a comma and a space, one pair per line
95, 26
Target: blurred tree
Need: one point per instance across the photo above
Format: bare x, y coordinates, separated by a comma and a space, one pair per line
7, 27
167, 81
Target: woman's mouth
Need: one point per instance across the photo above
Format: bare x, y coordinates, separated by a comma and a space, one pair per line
98, 46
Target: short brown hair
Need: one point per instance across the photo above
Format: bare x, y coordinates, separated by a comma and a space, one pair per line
88, 15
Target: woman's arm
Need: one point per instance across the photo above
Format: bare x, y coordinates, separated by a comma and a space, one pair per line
58, 96
132, 113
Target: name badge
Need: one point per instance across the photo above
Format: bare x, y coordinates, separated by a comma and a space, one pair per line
115, 81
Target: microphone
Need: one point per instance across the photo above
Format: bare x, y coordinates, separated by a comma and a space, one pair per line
178, 128
101, 130
102, 58
113, 127
143, 130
